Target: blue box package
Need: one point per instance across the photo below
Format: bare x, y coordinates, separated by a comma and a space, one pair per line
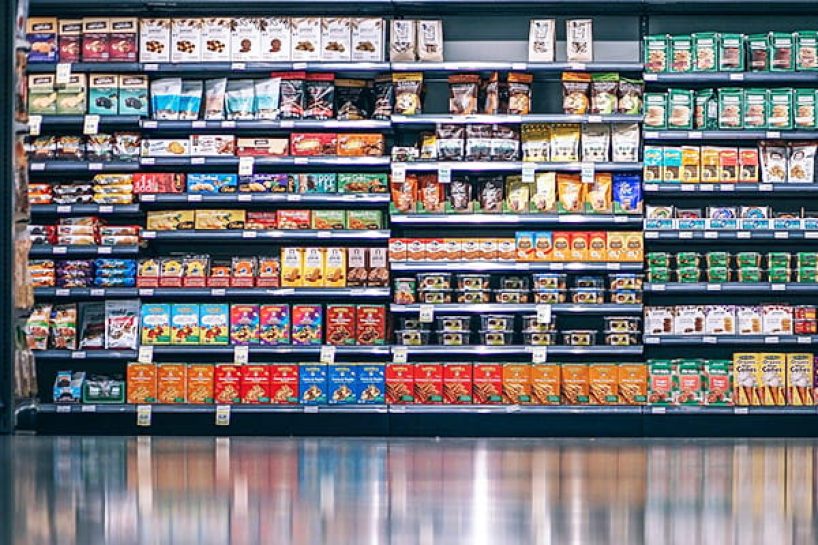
265, 183
371, 383
68, 387
103, 94
41, 33
342, 383
212, 183
133, 95
312, 384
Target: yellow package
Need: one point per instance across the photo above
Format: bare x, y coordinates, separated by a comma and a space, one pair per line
314, 267
571, 194
292, 267
690, 165
220, 219
616, 246
170, 220
544, 200
518, 195
598, 195
710, 164
772, 377
800, 379
564, 143
335, 268
746, 375
634, 247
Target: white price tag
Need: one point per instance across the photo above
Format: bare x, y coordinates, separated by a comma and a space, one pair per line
293, 198
778, 287
327, 355
765, 187
773, 134
577, 66
657, 287
743, 234
651, 187
713, 287
63, 408
287, 124
105, 250
244, 197
148, 234
711, 234
97, 292
35, 122
709, 340
687, 188
37, 166
810, 234
145, 292
301, 160
653, 340
143, 415
444, 175
194, 198
519, 66
529, 171
398, 173
543, 314
400, 354
804, 340
650, 77
741, 410
198, 124
651, 234
62, 292
145, 354
685, 234
63, 73
246, 165
222, 415
658, 410
94, 167
781, 234
727, 187
427, 314
587, 172
694, 135
738, 76
249, 234
198, 160
594, 119
706, 187
323, 234
89, 408
91, 124
299, 66
64, 209
218, 292
230, 124
311, 409
147, 198
241, 355
106, 209
147, 161
539, 354
150, 67
149, 124
238, 66
60, 250
771, 340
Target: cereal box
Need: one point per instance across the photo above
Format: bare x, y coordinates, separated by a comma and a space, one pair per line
660, 382
255, 383
689, 383
184, 321
517, 383
307, 324
284, 384
314, 267
400, 383
312, 383
171, 382
718, 383
227, 383
800, 379
340, 324
244, 324
371, 324
561, 246
200, 378
773, 379
545, 383
371, 383
428, 383
342, 383
214, 323
457, 383
274, 324
155, 323
603, 381
141, 378
488, 383
575, 384
292, 267
746, 373
633, 383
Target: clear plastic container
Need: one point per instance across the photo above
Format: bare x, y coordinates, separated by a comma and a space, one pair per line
550, 297
626, 297
579, 337
587, 296
515, 297
540, 338
412, 324
497, 338
453, 338
589, 282
475, 297
625, 281
412, 337
620, 338
623, 324
435, 297
453, 323
514, 282
550, 281
530, 324
435, 281
497, 322
469, 282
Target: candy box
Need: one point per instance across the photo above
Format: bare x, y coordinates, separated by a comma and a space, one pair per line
292, 267
184, 319
186, 36
171, 382
255, 383
70, 46
211, 183
428, 383
274, 324
313, 144
284, 384
71, 99
545, 383
341, 324
324, 182
155, 324
264, 183
216, 39
141, 383
335, 260
362, 183
133, 95
342, 383
227, 383
364, 219
718, 383
154, 40
214, 323
244, 324
200, 382
122, 42
307, 324
400, 383
371, 324
487, 379
517, 383
103, 95
41, 33
371, 387
457, 383
96, 39
312, 384
42, 96
293, 219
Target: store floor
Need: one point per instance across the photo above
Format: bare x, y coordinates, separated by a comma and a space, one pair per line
123, 491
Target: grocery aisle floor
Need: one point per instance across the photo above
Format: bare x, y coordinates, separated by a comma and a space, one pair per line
422, 491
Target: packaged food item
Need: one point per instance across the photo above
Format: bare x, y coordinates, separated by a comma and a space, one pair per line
655, 53
781, 108
214, 323
96, 39
199, 383
625, 143
575, 92
773, 379
565, 143
408, 87
185, 36
41, 33
42, 96
575, 386
579, 40
731, 53
72, 97
801, 164
519, 93
731, 101
630, 95
804, 109
402, 40
755, 108
215, 39
800, 372
306, 39
367, 40
705, 109
122, 324
430, 40
541, 40
681, 51
244, 324
154, 40
656, 110
781, 57
141, 383
705, 51
758, 45
596, 142
680, 109
335, 39
806, 50
516, 383
155, 324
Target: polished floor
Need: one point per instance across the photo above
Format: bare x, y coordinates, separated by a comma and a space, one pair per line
238, 491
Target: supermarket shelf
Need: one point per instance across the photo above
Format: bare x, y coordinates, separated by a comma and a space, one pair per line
733, 78
541, 67
68, 122
213, 67
227, 235
732, 340
705, 410
650, 136
484, 350
70, 167
184, 408
515, 219
204, 350
505, 307
731, 287
516, 409
507, 166
692, 190
262, 293
233, 161
46, 250
501, 266
434, 119
737, 236
84, 208
357, 199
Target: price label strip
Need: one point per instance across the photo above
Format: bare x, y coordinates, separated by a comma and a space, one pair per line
241, 355
143, 415
327, 355
400, 354
222, 415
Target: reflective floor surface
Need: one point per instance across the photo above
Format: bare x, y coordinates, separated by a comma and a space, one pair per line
408, 492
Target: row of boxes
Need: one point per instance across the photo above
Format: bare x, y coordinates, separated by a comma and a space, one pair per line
706, 164
221, 219
97, 94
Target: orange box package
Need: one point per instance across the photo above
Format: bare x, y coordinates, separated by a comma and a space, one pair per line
429, 383
400, 383
561, 241
141, 381
575, 388
517, 383
579, 246
597, 246
545, 383
284, 384
255, 384
227, 383
200, 378
616, 246
487, 379
457, 383
633, 383
603, 383
171, 382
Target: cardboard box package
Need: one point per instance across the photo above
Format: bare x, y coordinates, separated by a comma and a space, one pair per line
186, 40
660, 382
216, 39
428, 380
718, 383
772, 377
633, 383
123, 39
400, 383
545, 383
184, 323
457, 383
171, 382
70, 40
371, 383
255, 383
96, 39
141, 383
154, 40
342, 383
746, 372
312, 384
488, 383
41, 33
284, 384
517, 383
575, 386
603, 383
227, 383
800, 379
200, 383
155, 326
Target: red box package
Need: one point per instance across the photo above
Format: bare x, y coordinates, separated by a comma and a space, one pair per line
227, 384
219, 274
96, 39
371, 324
269, 272
293, 219
341, 324
284, 384
428, 383
313, 144
261, 220
400, 383
123, 39
255, 384
158, 182
262, 147
488, 383
457, 383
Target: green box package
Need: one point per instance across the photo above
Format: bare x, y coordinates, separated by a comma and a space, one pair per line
755, 108
681, 54
807, 50
364, 219
731, 52
705, 110
731, 106
690, 384
717, 259
133, 95
42, 97
804, 109
781, 54
362, 183
655, 110
706, 51
72, 98
780, 116
687, 259
103, 94
748, 259
655, 53
659, 275
807, 259
658, 259
778, 275
778, 259
329, 219
688, 275
718, 275
807, 275
749, 274
680, 109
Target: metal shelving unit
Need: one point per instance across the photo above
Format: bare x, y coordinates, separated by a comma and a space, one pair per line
510, 166
731, 340
200, 235
696, 190
298, 199
169, 293
510, 266
608, 308
123, 122
731, 287
539, 220
733, 236
653, 136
